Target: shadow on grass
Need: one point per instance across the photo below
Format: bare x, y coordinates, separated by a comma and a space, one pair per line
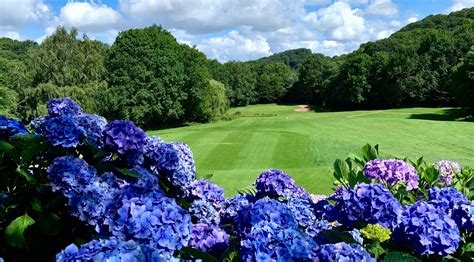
451, 114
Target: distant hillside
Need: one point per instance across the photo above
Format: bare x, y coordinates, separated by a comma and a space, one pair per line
293, 58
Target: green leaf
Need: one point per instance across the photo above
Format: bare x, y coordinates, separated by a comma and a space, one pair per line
206, 176
29, 177
128, 172
198, 254
8, 150
469, 247
341, 170
232, 256
250, 190
14, 233
32, 150
395, 256
376, 249
369, 152
36, 205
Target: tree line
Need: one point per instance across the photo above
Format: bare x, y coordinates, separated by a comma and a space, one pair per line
148, 77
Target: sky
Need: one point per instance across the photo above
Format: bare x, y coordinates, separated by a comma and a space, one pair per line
227, 30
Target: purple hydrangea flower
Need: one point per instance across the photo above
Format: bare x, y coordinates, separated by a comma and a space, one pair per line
206, 190
93, 126
232, 206
274, 183
204, 212
343, 252
453, 203
63, 131
317, 198
154, 220
10, 127
264, 209
62, 107
428, 229
208, 238
392, 171
111, 249
367, 203
447, 169
70, 175
173, 160
123, 136
269, 241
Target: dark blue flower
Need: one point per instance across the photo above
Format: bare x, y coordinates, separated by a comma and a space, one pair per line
152, 219
112, 249
208, 238
274, 183
123, 136
366, 203
206, 190
63, 131
37, 124
233, 205
10, 127
341, 252
63, 106
204, 212
93, 126
428, 230
453, 203
70, 175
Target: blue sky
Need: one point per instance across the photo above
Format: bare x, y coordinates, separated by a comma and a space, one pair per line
228, 29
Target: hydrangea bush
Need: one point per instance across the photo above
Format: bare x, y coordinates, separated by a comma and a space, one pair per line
74, 187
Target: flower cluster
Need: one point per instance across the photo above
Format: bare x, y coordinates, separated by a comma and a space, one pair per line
277, 183
10, 127
93, 126
206, 190
376, 232
343, 252
63, 131
208, 238
367, 203
447, 169
204, 212
428, 230
302, 211
453, 203
392, 171
62, 107
123, 136
233, 205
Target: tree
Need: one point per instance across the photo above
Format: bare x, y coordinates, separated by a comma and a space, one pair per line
463, 81
241, 81
273, 81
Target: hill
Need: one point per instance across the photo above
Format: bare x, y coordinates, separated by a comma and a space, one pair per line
292, 58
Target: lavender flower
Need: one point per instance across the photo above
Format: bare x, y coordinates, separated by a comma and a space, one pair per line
367, 203
122, 136
429, 230
447, 169
208, 238
391, 172
63, 131
63, 106
10, 127
204, 212
317, 198
343, 252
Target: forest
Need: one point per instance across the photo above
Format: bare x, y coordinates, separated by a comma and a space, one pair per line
148, 77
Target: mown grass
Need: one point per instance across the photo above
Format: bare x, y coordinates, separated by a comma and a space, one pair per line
305, 145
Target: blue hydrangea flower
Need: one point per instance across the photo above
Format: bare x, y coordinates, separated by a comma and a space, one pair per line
268, 241
206, 190
93, 126
355, 233
454, 203
173, 160
62, 107
302, 211
317, 227
343, 252
428, 230
63, 131
70, 175
264, 209
123, 136
37, 124
232, 206
10, 127
112, 249
274, 183
367, 203
208, 238
154, 220
447, 169
392, 171
204, 212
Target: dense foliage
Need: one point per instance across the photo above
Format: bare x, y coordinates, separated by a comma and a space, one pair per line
75, 187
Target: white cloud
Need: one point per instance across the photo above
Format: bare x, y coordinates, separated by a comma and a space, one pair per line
89, 16
16, 13
382, 8
460, 4
412, 19
11, 34
235, 46
340, 22
359, 2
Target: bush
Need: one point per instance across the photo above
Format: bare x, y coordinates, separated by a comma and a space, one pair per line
77, 188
